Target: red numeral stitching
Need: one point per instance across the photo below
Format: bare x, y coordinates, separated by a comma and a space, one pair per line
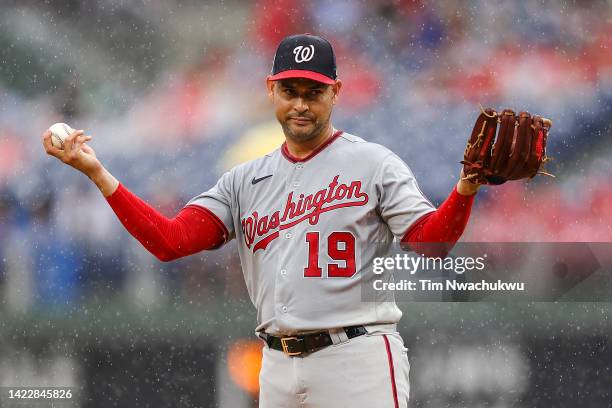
335, 252
313, 270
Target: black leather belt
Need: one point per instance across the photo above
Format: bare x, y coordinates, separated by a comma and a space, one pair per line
308, 343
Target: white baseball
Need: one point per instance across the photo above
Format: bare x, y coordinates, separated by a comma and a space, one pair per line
59, 133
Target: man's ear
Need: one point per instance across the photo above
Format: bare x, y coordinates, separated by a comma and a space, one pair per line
270, 85
336, 90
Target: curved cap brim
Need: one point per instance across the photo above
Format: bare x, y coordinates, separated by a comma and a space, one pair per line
296, 73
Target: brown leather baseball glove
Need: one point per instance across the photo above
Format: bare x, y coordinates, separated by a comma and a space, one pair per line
516, 151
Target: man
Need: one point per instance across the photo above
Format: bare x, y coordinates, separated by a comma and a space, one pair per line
308, 218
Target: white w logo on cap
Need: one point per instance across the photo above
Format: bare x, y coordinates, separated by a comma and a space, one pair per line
303, 54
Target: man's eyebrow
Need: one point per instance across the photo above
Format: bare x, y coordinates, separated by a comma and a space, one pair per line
292, 85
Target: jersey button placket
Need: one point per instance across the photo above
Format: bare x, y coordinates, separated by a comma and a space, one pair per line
295, 183
283, 287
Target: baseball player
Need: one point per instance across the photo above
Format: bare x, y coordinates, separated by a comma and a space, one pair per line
307, 219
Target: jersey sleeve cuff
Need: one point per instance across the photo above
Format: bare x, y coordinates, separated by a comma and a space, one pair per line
214, 218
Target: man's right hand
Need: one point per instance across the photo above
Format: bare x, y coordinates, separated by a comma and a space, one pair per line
76, 153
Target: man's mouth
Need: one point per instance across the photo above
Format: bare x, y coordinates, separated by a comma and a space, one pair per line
301, 121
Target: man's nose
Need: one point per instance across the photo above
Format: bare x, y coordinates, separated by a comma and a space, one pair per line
301, 105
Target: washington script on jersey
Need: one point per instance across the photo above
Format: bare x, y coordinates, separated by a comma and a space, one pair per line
307, 207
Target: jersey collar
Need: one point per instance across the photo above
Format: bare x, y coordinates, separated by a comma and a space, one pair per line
294, 159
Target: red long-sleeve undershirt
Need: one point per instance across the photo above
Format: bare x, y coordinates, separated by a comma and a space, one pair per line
436, 233
195, 228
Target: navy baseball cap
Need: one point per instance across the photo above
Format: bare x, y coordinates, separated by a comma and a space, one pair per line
304, 56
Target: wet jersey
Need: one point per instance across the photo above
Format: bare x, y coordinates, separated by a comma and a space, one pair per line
308, 229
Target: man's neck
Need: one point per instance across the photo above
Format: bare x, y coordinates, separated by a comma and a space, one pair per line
304, 149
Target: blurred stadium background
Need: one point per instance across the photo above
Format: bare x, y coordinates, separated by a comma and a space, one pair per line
173, 93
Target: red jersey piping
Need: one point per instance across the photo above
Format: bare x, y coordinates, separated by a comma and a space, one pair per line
294, 159
391, 371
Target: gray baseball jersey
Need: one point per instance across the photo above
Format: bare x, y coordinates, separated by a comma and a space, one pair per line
308, 230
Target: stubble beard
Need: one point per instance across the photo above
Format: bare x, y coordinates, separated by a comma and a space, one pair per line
300, 136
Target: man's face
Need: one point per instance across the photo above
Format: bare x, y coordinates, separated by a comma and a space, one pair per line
303, 106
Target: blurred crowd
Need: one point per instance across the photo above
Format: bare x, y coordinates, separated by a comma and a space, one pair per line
168, 88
